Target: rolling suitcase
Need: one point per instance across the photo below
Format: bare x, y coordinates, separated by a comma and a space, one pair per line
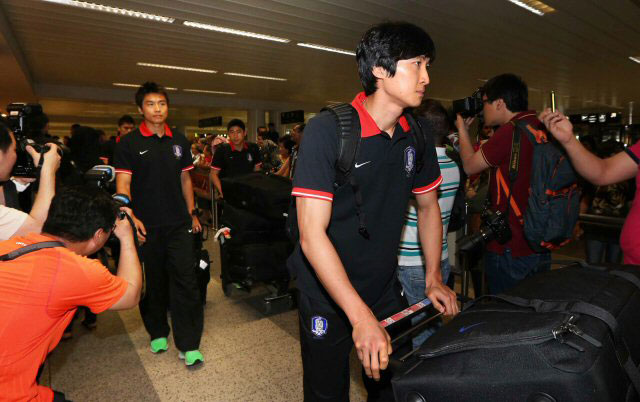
241, 220
570, 334
263, 194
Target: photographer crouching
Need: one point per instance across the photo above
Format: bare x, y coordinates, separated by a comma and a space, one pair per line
45, 277
13, 221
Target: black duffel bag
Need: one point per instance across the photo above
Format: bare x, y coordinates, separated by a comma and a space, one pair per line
571, 334
263, 194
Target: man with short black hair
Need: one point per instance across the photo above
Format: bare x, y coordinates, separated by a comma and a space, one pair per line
236, 158
152, 170
505, 100
346, 258
41, 290
126, 124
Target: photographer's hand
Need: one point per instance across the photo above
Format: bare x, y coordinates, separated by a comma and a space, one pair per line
140, 230
51, 158
464, 123
123, 230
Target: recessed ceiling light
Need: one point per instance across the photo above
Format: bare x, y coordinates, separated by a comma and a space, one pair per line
327, 48
535, 6
256, 76
197, 70
121, 84
113, 10
231, 31
636, 59
206, 91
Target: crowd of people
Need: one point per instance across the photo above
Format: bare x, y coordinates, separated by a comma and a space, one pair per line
367, 248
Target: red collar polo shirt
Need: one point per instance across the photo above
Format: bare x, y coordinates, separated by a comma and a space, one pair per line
385, 171
230, 161
155, 164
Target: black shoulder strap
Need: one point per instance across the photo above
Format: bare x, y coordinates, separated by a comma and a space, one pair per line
348, 139
418, 133
348, 144
30, 248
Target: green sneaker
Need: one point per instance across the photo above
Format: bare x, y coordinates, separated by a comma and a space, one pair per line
191, 358
159, 345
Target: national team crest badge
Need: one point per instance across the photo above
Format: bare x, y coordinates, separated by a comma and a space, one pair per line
409, 160
177, 151
319, 326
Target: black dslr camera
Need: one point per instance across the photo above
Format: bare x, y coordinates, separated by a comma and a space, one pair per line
469, 106
495, 225
17, 114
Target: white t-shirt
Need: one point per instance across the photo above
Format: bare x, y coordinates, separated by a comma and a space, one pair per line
410, 251
10, 221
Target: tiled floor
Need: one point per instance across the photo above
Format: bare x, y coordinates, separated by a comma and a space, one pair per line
250, 356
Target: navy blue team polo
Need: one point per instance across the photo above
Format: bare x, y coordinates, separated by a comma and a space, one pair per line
385, 170
155, 165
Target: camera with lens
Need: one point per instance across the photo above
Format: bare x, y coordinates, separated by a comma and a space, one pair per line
495, 226
17, 115
469, 106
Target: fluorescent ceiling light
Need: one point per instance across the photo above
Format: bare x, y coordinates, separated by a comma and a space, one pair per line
197, 70
636, 59
535, 6
256, 76
327, 48
231, 31
113, 10
121, 84
206, 91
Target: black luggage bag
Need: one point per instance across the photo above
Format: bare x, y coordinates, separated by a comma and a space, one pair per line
263, 194
571, 334
245, 263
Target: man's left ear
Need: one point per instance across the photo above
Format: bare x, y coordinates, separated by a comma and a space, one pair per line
380, 72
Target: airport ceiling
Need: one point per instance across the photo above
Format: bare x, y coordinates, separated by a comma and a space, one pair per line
59, 52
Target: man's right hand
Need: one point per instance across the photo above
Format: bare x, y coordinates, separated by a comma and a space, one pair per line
373, 345
558, 125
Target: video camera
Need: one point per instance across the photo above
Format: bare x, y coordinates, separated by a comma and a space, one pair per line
495, 225
470, 106
17, 114
100, 176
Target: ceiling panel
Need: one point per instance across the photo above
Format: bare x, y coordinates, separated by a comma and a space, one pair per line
581, 51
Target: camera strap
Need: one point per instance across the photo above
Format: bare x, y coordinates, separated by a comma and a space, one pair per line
514, 165
28, 249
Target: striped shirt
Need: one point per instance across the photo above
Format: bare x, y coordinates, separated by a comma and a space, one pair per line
410, 251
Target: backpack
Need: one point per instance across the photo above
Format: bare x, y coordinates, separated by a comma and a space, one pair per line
348, 136
554, 196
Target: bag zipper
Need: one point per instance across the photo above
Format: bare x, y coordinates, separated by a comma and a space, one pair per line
558, 333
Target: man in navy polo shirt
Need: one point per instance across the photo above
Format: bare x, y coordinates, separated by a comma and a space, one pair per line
235, 158
152, 169
348, 281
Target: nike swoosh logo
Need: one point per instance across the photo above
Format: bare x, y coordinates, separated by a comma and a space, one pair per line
464, 329
144, 152
362, 164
